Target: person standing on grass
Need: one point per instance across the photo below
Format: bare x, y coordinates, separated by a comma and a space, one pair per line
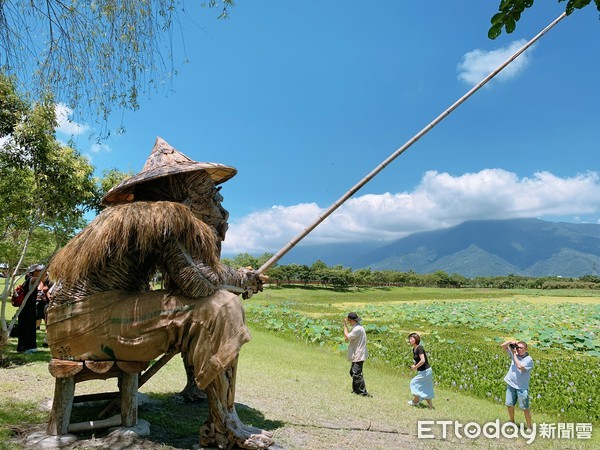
421, 386
357, 352
41, 302
517, 379
27, 342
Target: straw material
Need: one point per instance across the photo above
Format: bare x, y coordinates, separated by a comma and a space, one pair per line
140, 228
165, 161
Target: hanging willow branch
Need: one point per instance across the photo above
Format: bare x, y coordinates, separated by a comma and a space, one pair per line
95, 55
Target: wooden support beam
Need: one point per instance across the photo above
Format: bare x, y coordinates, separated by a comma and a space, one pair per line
60, 415
152, 370
113, 421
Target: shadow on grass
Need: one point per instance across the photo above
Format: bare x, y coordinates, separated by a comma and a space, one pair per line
8, 351
10, 358
173, 421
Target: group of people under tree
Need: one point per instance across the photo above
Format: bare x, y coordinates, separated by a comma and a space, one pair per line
33, 310
421, 385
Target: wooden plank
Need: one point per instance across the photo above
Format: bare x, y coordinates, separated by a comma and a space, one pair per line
84, 398
132, 366
113, 421
87, 374
99, 366
61, 368
156, 366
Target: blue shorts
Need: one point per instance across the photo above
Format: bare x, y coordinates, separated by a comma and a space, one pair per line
512, 395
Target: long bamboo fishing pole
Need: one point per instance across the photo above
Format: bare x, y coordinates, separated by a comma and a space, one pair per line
402, 149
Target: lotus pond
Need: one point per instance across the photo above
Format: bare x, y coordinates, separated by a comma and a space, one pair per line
461, 331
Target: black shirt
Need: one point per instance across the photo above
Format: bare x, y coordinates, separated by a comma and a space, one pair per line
417, 352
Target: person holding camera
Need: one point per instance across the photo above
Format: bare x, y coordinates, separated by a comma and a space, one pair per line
421, 386
357, 352
517, 379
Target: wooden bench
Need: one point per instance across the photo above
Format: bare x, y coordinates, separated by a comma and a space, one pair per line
69, 373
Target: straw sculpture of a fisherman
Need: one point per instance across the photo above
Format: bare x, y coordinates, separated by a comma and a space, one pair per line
167, 218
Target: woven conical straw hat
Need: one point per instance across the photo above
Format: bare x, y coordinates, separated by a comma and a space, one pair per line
165, 161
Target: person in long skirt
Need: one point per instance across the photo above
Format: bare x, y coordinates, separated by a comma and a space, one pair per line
421, 386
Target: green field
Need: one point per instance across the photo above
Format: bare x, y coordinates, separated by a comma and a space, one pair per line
293, 375
461, 330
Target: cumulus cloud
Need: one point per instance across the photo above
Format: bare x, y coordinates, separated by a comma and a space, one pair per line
100, 148
478, 64
440, 200
65, 124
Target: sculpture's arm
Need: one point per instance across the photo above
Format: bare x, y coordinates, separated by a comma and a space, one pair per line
196, 279
244, 280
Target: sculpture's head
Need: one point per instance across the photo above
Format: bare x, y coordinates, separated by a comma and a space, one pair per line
169, 175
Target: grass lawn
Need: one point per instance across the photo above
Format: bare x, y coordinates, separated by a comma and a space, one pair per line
300, 392
308, 390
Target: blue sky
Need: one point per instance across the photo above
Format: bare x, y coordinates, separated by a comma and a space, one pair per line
306, 98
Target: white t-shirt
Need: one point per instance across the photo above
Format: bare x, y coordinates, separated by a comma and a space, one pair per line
515, 378
357, 344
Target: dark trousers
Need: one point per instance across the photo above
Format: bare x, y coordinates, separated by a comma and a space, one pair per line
358, 381
27, 333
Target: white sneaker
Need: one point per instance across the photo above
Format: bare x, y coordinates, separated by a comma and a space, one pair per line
410, 402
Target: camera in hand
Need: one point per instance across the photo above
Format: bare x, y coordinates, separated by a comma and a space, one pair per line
512, 345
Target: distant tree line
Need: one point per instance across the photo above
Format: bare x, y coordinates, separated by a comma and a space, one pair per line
341, 277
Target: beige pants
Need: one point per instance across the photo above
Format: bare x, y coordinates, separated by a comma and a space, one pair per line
124, 326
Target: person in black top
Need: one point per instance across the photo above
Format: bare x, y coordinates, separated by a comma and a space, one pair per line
27, 342
421, 386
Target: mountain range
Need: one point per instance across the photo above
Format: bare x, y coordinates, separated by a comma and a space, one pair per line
530, 247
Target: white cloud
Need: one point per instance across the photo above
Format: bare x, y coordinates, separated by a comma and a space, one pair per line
478, 64
65, 124
439, 201
100, 148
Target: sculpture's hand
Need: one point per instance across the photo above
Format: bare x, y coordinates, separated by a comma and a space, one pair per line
255, 282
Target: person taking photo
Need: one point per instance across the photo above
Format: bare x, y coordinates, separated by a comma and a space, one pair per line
517, 379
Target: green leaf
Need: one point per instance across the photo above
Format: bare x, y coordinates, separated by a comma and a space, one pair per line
510, 25
495, 31
498, 18
578, 4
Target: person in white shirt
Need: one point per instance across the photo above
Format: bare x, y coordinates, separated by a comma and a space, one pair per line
517, 379
357, 352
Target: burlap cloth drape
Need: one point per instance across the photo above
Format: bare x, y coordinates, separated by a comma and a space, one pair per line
118, 325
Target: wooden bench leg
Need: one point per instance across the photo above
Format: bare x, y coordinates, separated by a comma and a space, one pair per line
64, 390
129, 403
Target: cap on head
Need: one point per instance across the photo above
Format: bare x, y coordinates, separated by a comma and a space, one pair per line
36, 268
165, 161
354, 316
